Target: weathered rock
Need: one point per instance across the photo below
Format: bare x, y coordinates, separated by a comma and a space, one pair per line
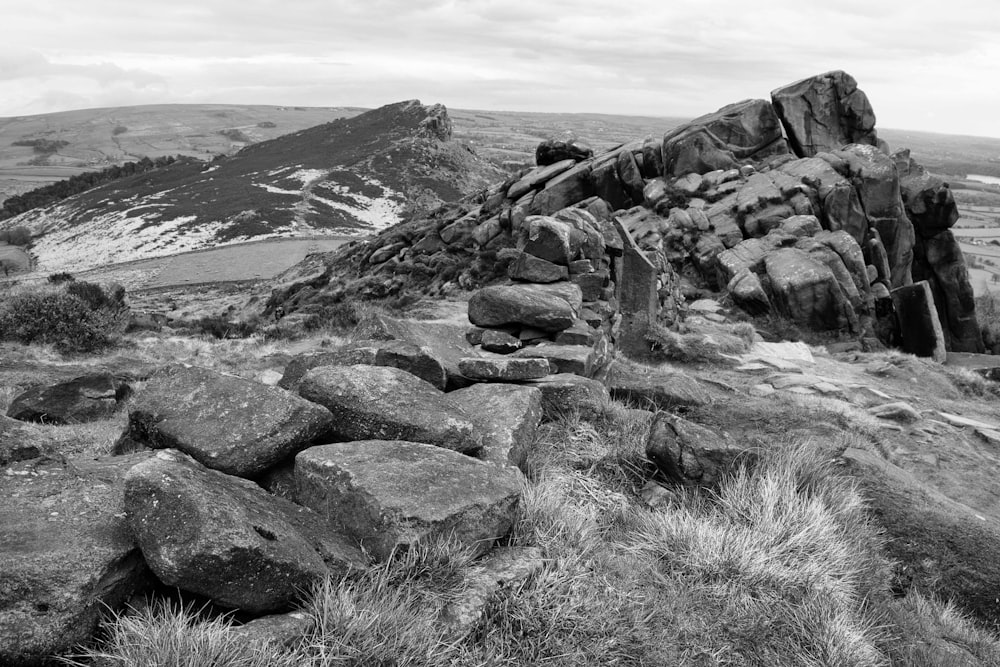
443, 340
507, 417
939, 260
688, 453
825, 113
226, 538
67, 556
565, 393
552, 151
387, 403
505, 568
898, 411
83, 399
581, 333
501, 342
400, 354
538, 177
285, 630
532, 269
549, 308
919, 326
736, 134
17, 443
507, 369
638, 298
748, 293
389, 494
225, 422
608, 186
874, 176
655, 388
568, 188
630, 176
548, 238
941, 546
577, 359
805, 290
929, 203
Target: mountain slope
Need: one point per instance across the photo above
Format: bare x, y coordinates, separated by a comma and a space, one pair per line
350, 176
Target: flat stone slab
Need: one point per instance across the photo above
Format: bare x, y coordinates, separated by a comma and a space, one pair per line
226, 538
576, 359
507, 416
547, 307
486, 369
958, 420
400, 354
656, 388
83, 399
382, 403
227, 423
67, 555
387, 494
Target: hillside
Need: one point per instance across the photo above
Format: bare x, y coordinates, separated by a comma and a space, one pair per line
90, 139
350, 176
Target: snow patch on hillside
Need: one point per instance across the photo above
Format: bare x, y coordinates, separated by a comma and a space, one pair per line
375, 212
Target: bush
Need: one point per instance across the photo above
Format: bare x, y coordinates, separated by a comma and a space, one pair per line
58, 318
61, 277
219, 327
19, 235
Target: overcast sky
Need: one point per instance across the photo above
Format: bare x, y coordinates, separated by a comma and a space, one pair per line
925, 65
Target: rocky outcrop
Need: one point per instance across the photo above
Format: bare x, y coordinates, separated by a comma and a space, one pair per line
388, 404
83, 399
919, 326
226, 538
553, 150
225, 422
390, 494
824, 113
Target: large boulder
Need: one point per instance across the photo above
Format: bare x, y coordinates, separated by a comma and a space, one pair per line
226, 538
737, 134
227, 423
82, 399
377, 402
825, 113
389, 494
507, 416
547, 307
67, 556
941, 546
807, 291
552, 151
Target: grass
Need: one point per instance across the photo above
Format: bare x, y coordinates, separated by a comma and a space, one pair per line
691, 345
780, 565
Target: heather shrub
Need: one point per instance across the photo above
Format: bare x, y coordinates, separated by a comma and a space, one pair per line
73, 321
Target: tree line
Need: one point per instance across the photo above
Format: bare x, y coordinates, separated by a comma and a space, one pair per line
55, 192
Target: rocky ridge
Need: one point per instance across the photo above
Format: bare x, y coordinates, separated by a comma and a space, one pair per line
818, 227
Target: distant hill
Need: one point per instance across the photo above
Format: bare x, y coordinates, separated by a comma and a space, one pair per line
40, 149
350, 176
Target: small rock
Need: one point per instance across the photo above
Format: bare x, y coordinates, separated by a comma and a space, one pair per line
499, 342
762, 390
899, 411
686, 452
504, 370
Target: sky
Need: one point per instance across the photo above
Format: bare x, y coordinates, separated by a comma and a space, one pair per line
932, 66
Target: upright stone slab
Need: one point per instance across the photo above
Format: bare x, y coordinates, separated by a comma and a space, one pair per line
389, 494
225, 422
919, 326
387, 403
637, 297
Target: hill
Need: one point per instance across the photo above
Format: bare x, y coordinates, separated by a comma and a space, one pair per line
350, 176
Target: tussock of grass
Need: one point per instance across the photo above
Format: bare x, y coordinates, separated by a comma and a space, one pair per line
930, 633
165, 634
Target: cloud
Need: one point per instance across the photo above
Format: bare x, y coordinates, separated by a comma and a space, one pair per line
917, 60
